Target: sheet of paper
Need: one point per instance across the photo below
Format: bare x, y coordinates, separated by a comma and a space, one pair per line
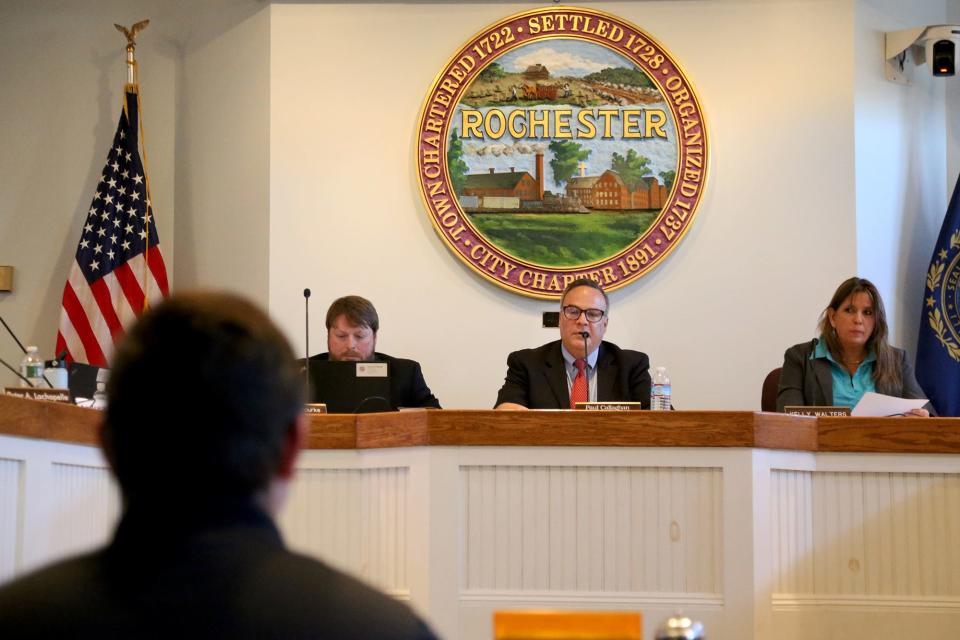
877, 405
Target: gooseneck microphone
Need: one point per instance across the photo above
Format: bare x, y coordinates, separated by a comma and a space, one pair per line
585, 335
22, 348
306, 335
13, 335
18, 374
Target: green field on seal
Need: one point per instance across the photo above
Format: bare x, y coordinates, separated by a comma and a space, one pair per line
563, 239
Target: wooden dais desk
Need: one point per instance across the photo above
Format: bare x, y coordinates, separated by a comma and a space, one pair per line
762, 525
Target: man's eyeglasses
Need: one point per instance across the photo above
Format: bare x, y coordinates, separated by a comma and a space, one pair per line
572, 312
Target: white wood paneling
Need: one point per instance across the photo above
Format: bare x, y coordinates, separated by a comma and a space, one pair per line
355, 519
592, 529
85, 505
791, 495
10, 516
866, 537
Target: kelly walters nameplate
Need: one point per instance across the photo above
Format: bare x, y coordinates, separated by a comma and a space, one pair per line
560, 143
818, 411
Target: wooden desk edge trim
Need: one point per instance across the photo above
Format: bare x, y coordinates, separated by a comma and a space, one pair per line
331, 431
893, 435
782, 431
392, 430
44, 420
20, 417
689, 429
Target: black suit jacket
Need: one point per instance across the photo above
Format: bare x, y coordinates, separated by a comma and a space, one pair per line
221, 572
407, 386
537, 378
809, 381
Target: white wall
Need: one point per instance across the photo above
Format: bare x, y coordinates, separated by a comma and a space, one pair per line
222, 162
901, 166
746, 282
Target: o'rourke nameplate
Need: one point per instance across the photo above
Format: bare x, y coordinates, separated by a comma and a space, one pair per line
560, 143
609, 406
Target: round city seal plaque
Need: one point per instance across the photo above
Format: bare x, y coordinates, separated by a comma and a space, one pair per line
559, 143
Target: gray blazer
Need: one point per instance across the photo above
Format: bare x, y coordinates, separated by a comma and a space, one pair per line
808, 381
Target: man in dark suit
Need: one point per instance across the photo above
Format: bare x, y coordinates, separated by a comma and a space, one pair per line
580, 366
352, 325
203, 425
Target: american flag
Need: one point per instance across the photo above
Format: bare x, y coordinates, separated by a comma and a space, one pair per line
118, 265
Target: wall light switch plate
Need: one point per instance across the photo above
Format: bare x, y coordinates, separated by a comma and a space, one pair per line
6, 279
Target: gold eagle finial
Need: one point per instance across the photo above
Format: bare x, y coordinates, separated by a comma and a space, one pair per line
132, 32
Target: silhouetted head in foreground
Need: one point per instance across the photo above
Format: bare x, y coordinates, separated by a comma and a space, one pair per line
204, 403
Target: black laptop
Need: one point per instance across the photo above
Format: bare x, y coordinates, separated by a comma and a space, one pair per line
351, 387
83, 380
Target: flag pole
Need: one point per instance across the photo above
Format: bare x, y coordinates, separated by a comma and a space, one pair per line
133, 86
131, 63
131, 35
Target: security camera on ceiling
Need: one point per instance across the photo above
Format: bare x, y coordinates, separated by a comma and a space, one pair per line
935, 45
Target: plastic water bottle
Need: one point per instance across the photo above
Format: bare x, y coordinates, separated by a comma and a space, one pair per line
57, 374
31, 368
100, 395
660, 390
680, 627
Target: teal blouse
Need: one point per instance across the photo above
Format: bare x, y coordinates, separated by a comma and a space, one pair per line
848, 389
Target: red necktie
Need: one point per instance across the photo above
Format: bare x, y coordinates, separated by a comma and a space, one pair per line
580, 392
